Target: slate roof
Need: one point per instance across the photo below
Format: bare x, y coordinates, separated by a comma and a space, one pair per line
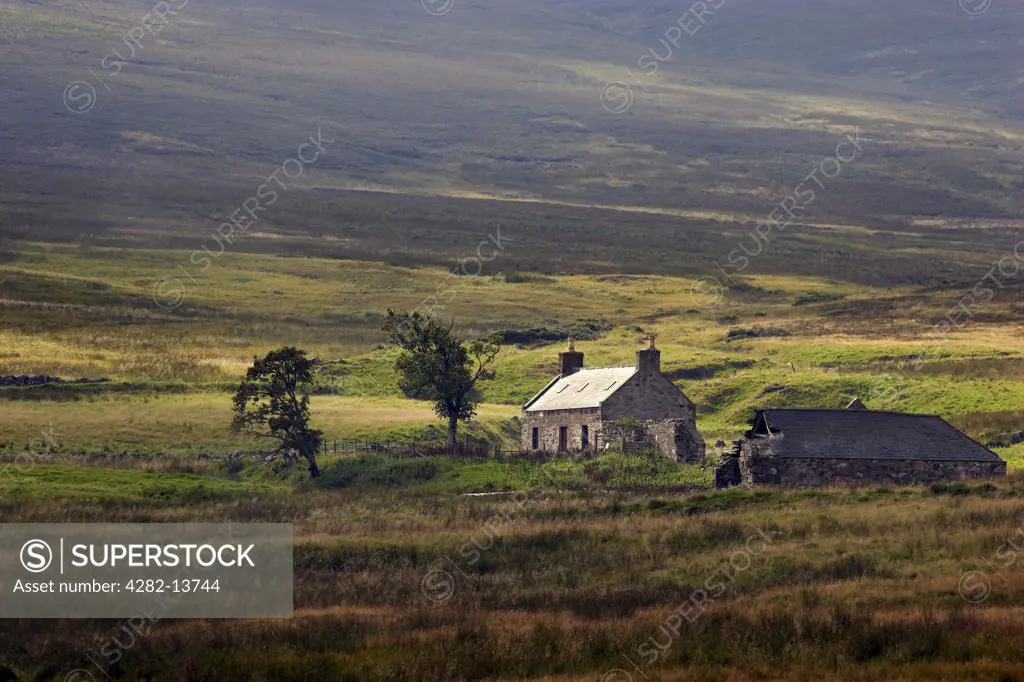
859, 434
585, 388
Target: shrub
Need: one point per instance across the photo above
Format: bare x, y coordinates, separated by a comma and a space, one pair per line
960, 488
817, 297
378, 472
628, 423
754, 333
585, 330
525, 278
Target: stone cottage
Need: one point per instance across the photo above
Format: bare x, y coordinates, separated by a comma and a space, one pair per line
805, 447
637, 407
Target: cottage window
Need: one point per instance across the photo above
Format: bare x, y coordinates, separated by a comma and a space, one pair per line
535, 438
585, 436
563, 438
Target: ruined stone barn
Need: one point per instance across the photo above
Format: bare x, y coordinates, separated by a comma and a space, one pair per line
631, 408
807, 447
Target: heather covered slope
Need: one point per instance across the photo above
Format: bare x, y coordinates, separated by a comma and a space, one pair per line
504, 101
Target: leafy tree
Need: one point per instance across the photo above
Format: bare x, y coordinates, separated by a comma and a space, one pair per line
271, 403
435, 364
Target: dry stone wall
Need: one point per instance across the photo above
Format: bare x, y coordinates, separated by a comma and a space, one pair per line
758, 466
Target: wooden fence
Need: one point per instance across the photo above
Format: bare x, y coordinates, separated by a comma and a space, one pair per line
466, 447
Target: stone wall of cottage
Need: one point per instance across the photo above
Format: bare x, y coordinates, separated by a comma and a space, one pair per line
669, 418
678, 439
672, 438
548, 424
625, 438
647, 396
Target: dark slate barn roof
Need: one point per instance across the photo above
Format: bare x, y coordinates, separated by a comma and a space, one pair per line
859, 434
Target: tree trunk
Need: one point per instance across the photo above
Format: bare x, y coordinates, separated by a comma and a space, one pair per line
308, 453
453, 425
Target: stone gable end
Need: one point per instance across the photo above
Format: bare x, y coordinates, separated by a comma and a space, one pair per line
648, 396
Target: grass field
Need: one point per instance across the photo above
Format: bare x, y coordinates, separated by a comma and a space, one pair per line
836, 584
827, 342
193, 423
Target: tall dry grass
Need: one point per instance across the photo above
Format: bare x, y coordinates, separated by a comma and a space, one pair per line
855, 584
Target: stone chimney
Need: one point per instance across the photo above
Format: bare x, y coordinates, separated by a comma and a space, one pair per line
648, 360
570, 361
